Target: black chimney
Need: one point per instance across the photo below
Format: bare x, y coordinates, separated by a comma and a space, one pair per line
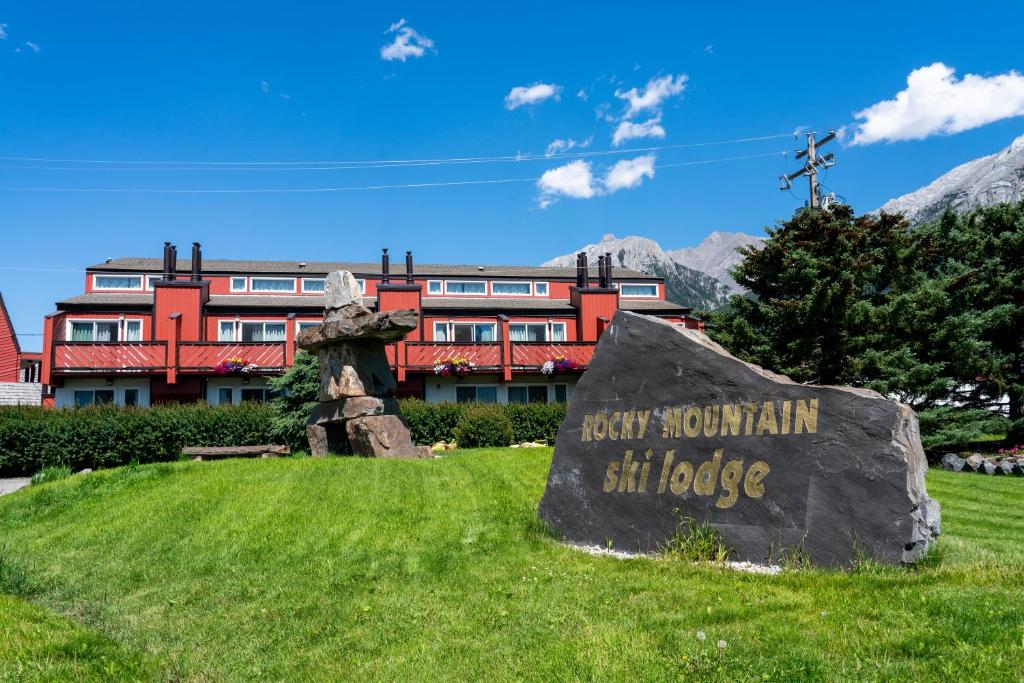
174, 262
167, 260
408, 267
385, 267
602, 272
608, 269
197, 262
583, 272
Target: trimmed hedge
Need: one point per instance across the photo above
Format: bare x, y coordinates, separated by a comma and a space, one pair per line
32, 438
433, 422
484, 425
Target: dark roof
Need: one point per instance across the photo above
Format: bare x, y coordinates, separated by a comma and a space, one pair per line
320, 268
316, 303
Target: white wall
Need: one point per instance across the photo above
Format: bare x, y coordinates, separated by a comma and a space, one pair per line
236, 384
64, 396
20, 393
441, 389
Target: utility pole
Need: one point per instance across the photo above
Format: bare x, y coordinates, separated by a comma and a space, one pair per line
810, 169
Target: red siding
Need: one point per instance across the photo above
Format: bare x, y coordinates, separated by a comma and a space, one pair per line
9, 349
186, 300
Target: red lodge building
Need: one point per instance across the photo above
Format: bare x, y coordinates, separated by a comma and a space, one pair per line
147, 331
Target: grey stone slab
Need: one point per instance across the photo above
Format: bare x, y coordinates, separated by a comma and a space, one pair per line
665, 424
13, 484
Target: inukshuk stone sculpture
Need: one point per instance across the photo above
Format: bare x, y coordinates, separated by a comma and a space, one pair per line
357, 412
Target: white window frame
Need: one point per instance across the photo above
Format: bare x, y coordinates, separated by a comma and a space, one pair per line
150, 279
440, 287
474, 282
245, 283
313, 291
620, 285
253, 278
538, 285
477, 387
549, 328
92, 401
300, 323
362, 285
120, 322
529, 287
97, 287
450, 330
264, 323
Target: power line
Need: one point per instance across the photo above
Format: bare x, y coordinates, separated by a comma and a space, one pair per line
314, 190
810, 169
374, 163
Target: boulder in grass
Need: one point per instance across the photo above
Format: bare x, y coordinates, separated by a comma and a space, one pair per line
953, 462
986, 467
974, 463
665, 425
1005, 466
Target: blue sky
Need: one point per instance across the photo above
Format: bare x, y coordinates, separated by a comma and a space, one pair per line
301, 82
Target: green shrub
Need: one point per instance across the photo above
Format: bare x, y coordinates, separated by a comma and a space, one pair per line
483, 425
431, 422
954, 428
34, 438
299, 393
536, 421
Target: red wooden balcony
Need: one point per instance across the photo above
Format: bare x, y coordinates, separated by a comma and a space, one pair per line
122, 358
200, 357
532, 355
425, 355
116, 357
487, 356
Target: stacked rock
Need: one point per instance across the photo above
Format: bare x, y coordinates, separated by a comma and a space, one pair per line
357, 413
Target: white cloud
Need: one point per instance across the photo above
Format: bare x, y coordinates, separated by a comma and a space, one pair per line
522, 95
559, 146
576, 179
3, 31
656, 92
629, 173
32, 46
265, 87
935, 102
582, 94
628, 130
407, 43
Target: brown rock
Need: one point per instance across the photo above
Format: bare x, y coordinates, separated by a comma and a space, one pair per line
357, 406
359, 326
355, 369
327, 438
383, 436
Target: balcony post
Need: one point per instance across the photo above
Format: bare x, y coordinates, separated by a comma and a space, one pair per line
172, 348
399, 365
49, 348
289, 341
506, 350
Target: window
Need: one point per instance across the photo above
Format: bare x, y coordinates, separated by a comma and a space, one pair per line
313, 284
305, 325
434, 287
534, 393
257, 394
362, 285
131, 397
238, 284
263, 332
94, 331
511, 288
133, 330
150, 279
638, 290
117, 282
536, 332
561, 393
467, 394
226, 330
452, 287
89, 397
540, 288
225, 396
464, 332
272, 284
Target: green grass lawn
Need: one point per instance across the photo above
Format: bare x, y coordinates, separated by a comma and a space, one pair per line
340, 569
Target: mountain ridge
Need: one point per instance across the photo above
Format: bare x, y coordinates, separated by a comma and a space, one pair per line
983, 181
697, 277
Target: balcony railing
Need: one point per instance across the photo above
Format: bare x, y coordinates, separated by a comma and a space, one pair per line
152, 357
119, 357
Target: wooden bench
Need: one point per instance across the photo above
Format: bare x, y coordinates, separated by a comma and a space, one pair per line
217, 452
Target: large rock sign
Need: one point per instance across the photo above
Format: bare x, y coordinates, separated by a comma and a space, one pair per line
666, 424
357, 411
